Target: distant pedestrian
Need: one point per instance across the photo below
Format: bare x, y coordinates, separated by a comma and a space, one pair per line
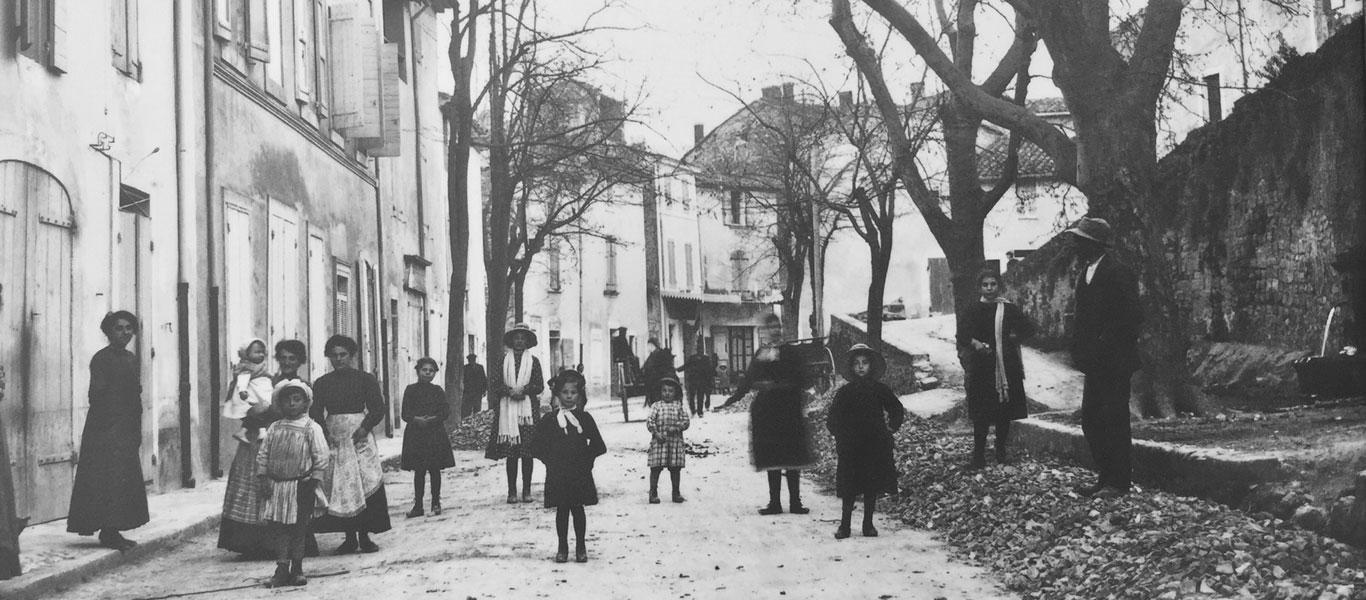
518, 404
668, 450
10, 523
476, 384
348, 403
567, 441
989, 348
862, 418
242, 528
251, 387
780, 441
698, 373
1105, 349
723, 385
290, 468
426, 445
108, 495
658, 364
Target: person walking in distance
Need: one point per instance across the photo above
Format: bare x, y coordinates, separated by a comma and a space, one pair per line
1105, 349
698, 373
476, 384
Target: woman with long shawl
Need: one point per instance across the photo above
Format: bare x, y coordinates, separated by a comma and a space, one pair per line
242, 529
989, 347
515, 396
108, 495
348, 403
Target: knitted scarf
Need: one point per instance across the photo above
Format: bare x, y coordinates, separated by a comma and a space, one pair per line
512, 413
1002, 384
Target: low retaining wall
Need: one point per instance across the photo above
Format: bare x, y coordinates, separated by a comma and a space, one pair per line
846, 331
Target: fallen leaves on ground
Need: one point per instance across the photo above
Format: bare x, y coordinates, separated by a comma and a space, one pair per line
473, 431
1023, 522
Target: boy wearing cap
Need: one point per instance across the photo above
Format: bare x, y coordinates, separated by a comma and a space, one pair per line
1105, 349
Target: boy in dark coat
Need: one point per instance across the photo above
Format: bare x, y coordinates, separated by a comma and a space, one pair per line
989, 346
862, 418
567, 441
780, 442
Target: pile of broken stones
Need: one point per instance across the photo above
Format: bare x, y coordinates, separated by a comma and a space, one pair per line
1022, 521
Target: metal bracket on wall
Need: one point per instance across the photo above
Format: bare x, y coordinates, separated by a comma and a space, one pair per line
57, 458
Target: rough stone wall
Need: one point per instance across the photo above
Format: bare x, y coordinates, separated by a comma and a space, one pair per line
1256, 208
901, 365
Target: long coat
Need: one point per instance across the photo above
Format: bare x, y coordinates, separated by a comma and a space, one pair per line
568, 456
426, 447
979, 323
862, 418
1108, 316
109, 492
778, 433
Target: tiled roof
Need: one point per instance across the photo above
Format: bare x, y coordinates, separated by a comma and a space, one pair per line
1034, 162
1043, 106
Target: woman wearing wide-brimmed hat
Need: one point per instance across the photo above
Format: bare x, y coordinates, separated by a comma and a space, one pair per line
514, 394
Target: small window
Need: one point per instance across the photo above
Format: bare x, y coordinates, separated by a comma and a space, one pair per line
124, 36
687, 260
735, 214
611, 267
553, 265
40, 26
738, 269
673, 265
133, 200
341, 310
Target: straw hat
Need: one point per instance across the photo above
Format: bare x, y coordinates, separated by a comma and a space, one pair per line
523, 329
879, 362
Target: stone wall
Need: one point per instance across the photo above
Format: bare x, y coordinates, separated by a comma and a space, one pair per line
903, 371
1256, 208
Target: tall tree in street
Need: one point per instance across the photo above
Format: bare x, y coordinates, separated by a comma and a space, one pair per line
956, 221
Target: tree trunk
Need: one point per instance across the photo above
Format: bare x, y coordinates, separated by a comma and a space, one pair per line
457, 207
877, 287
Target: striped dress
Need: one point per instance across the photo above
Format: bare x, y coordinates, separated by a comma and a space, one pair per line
667, 421
292, 450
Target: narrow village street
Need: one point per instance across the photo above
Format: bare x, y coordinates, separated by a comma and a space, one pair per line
712, 546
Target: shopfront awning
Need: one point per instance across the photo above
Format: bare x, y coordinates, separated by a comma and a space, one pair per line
701, 297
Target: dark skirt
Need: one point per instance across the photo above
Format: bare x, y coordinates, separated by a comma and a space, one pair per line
570, 485
108, 492
984, 403
426, 448
257, 542
497, 450
779, 436
253, 537
865, 469
374, 519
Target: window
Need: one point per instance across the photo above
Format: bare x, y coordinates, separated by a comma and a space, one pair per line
124, 38
275, 57
304, 61
673, 265
667, 190
553, 265
737, 270
341, 307
322, 69
41, 28
395, 26
611, 267
687, 260
735, 215
133, 200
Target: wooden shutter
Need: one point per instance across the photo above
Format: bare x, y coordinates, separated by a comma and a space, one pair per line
222, 19
61, 19
258, 48
370, 82
390, 140
133, 39
118, 29
322, 74
344, 31
303, 57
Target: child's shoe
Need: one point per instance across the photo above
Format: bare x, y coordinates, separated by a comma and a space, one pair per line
281, 578
580, 555
869, 530
436, 508
562, 556
654, 498
416, 512
772, 509
678, 498
798, 509
296, 573
842, 532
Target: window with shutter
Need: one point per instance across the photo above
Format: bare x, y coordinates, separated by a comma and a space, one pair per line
687, 261
303, 56
258, 34
124, 37
322, 70
611, 266
395, 30
222, 20
276, 54
345, 54
35, 24
390, 138
341, 307
553, 265
673, 266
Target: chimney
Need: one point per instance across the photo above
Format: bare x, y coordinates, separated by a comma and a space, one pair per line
787, 91
1214, 96
846, 99
697, 134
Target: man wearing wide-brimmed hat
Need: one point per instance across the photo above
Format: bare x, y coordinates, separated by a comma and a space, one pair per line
1105, 348
515, 395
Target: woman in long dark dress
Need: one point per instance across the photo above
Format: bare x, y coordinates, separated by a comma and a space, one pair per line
516, 397
426, 445
108, 495
780, 441
10, 524
348, 404
862, 418
242, 529
989, 347
568, 442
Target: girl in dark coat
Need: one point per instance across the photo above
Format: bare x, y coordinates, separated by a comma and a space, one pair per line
426, 445
989, 347
108, 495
780, 442
567, 441
862, 418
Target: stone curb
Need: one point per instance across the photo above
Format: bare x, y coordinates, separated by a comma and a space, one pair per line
177, 516
1220, 475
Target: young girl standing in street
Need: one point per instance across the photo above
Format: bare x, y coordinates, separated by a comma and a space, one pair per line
426, 446
290, 466
567, 441
862, 418
251, 386
666, 423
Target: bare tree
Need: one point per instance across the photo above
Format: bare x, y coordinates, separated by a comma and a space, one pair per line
959, 229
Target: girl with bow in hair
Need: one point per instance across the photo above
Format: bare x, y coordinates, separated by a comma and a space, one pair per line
567, 441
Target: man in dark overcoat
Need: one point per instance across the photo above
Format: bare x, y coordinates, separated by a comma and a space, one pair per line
476, 385
698, 375
1105, 349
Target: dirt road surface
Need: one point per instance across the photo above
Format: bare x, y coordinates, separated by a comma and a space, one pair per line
715, 545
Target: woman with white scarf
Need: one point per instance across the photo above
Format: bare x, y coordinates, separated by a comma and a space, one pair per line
989, 334
515, 392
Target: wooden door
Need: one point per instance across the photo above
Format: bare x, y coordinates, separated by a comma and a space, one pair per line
284, 281
319, 305
37, 230
740, 348
941, 286
239, 306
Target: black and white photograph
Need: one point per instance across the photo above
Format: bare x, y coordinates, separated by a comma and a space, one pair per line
693, 299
